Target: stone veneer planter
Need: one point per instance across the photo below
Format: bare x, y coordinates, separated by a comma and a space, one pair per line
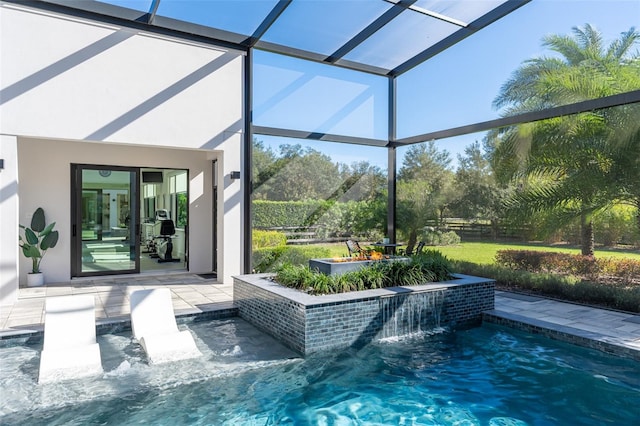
310, 324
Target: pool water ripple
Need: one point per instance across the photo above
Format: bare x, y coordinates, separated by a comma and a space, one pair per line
481, 376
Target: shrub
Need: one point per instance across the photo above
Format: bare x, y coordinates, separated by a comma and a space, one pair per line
567, 287
428, 267
268, 259
261, 239
364, 219
622, 268
616, 225
435, 237
545, 261
564, 263
269, 214
434, 262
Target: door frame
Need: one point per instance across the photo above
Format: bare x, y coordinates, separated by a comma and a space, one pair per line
76, 218
214, 217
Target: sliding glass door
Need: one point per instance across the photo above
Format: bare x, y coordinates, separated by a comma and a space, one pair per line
105, 220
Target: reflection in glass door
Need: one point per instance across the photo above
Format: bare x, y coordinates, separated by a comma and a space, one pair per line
105, 237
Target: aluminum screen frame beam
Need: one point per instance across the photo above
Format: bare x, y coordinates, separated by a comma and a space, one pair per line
317, 136
528, 117
149, 21
153, 10
138, 20
247, 172
320, 58
391, 161
370, 29
267, 22
487, 19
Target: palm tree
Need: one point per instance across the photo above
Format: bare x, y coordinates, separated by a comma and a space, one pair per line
571, 167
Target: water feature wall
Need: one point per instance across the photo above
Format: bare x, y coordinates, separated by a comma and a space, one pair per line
310, 324
413, 313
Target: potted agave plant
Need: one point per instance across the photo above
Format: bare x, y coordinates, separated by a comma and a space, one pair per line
39, 238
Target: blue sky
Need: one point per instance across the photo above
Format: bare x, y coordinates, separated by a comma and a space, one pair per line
454, 88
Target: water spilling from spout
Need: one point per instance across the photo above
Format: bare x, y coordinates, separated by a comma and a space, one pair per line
412, 313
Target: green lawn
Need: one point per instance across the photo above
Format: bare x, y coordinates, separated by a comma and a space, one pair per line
337, 249
485, 252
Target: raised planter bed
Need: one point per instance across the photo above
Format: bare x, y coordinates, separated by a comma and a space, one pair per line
310, 324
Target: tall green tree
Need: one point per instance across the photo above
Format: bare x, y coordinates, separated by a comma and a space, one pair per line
263, 169
478, 194
425, 189
299, 173
569, 167
363, 182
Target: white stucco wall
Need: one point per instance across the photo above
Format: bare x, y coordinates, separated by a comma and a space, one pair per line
69, 79
8, 220
230, 205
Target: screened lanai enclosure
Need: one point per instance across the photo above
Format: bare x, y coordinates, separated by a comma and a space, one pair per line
420, 120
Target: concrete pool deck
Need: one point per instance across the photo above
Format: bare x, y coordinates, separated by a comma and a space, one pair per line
192, 295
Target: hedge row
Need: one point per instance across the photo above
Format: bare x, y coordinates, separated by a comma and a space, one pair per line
271, 214
566, 287
331, 219
565, 263
269, 259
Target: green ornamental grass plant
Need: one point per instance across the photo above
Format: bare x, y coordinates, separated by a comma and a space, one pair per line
429, 266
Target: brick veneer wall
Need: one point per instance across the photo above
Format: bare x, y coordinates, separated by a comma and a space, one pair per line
309, 324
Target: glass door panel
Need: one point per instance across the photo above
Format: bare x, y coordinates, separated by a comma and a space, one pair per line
106, 205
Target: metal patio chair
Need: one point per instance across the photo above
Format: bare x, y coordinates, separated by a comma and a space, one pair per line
354, 248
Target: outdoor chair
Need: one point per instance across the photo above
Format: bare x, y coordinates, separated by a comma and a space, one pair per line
354, 248
416, 250
153, 323
70, 350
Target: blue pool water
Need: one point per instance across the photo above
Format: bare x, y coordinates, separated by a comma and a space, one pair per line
482, 376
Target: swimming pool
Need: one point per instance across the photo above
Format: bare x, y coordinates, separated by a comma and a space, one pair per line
482, 376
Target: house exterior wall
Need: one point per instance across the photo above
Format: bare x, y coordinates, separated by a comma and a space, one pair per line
8, 219
74, 90
48, 178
